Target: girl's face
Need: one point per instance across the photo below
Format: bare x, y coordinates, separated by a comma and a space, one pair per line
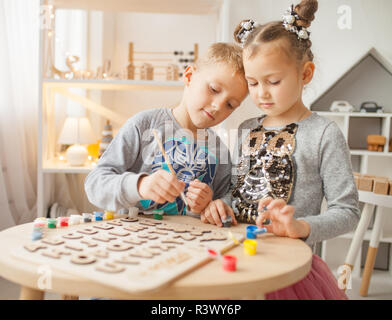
274, 81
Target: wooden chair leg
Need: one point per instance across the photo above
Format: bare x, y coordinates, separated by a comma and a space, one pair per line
68, 297
27, 293
359, 234
372, 253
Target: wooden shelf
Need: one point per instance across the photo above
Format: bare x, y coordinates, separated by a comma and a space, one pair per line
358, 152
114, 84
354, 114
57, 166
199, 7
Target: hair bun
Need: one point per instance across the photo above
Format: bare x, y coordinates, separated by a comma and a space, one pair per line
238, 32
306, 10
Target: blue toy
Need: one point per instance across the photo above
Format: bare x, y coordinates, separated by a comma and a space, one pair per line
253, 231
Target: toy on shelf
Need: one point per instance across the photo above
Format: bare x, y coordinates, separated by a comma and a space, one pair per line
146, 70
371, 106
341, 106
376, 184
172, 72
107, 137
376, 142
131, 66
74, 73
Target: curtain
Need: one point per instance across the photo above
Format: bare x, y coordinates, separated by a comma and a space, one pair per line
19, 78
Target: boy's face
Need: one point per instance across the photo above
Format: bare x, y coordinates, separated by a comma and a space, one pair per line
212, 93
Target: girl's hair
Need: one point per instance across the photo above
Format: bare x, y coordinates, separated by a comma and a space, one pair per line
275, 31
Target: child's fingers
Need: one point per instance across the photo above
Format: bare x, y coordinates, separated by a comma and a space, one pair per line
263, 203
200, 186
215, 215
221, 209
164, 194
276, 204
231, 213
192, 196
172, 181
208, 216
287, 210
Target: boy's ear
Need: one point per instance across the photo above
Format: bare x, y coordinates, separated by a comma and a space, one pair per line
308, 72
189, 71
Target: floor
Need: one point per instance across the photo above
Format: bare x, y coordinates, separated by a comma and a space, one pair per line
380, 289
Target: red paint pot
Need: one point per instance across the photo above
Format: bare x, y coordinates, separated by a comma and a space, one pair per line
229, 263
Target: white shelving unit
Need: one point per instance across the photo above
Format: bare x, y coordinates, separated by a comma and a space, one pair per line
368, 79
48, 162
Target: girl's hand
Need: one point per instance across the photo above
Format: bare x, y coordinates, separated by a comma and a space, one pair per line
282, 219
199, 195
215, 212
161, 186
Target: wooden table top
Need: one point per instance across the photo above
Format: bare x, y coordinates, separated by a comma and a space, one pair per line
278, 262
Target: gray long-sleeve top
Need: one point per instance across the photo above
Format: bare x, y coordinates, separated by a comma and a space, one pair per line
322, 168
112, 184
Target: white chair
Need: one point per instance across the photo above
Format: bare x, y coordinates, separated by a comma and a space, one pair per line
370, 199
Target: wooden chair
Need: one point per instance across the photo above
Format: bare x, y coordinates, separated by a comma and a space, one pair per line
371, 200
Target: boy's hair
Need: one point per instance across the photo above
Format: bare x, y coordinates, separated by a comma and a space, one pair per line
221, 52
275, 31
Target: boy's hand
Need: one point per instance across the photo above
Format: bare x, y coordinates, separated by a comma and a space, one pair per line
199, 195
216, 211
282, 219
160, 187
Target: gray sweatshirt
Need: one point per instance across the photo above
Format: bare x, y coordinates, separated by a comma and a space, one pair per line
316, 164
112, 184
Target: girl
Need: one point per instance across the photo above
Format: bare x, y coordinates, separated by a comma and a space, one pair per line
290, 158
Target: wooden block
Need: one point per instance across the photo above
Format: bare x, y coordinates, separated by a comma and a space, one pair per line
366, 184
356, 180
390, 187
381, 187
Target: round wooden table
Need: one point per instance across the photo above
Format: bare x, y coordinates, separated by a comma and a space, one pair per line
278, 262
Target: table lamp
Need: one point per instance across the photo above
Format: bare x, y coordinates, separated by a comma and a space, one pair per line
76, 132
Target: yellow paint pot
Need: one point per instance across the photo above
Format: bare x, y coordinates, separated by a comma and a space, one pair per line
250, 246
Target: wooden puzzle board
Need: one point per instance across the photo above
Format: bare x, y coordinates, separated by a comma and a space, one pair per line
134, 256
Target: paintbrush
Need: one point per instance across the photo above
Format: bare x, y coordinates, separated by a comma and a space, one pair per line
168, 162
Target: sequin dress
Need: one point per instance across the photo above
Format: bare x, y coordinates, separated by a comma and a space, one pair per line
266, 168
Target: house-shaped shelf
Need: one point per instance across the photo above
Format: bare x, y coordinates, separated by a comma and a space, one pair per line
369, 79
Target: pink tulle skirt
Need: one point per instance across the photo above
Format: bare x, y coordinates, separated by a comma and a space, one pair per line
319, 284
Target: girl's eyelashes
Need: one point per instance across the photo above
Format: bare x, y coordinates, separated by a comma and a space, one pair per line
214, 89
252, 84
274, 83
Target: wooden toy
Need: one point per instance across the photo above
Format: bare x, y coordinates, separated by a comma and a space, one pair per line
390, 187
172, 72
146, 72
365, 184
376, 142
118, 258
381, 186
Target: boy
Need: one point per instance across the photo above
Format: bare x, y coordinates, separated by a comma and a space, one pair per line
133, 172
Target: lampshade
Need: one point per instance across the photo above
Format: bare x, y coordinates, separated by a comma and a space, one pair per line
76, 131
